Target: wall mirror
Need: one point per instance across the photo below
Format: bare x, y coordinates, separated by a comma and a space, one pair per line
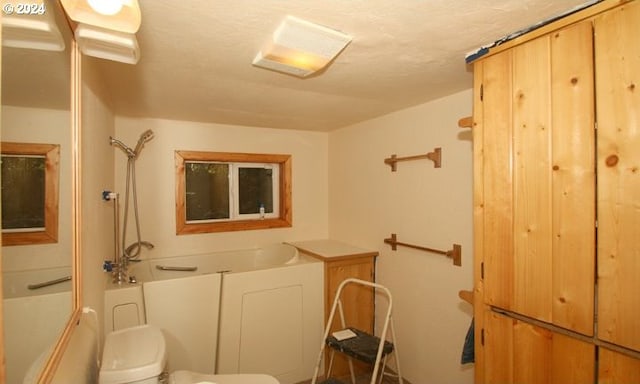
39, 98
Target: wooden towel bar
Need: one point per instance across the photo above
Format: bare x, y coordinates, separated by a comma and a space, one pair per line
455, 253
435, 156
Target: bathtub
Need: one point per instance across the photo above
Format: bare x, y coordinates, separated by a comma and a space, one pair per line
244, 311
39, 313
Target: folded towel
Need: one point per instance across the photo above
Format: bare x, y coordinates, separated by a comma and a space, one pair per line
468, 355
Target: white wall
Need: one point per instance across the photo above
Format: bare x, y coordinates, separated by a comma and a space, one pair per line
423, 205
155, 174
97, 175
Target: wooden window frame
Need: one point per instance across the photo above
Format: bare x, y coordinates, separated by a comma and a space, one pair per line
283, 220
51, 153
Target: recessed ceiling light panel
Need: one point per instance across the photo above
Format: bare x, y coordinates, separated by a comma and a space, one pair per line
300, 48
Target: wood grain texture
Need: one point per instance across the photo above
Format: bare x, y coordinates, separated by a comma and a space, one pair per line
615, 368
496, 182
573, 178
617, 47
532, 179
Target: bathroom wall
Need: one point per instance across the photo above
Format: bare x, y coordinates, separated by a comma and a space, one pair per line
423, 205
155, 174
97, 175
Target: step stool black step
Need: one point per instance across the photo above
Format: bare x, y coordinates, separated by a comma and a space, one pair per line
363, 346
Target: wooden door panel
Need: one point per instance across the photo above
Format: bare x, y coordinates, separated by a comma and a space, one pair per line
573, 178
615, 368
532, 179
497, 184
518, 352
538, 197
617, 53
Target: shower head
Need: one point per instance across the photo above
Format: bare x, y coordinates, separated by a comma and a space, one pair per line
128, 151
146, 136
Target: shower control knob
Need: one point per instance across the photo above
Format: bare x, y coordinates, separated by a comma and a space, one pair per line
107, 266
108, 195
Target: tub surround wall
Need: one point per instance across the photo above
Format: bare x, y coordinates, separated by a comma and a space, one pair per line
41, 317
187, 311
425, 206
272, 321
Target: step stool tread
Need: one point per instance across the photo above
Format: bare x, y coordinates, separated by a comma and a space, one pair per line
363, 346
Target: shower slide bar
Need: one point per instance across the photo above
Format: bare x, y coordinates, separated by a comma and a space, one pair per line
455, 253
181, 269
49, 282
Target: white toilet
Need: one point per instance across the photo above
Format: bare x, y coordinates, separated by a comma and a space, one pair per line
137, 355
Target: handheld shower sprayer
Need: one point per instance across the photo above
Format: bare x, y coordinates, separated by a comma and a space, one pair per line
146, 136
133, 153
122, 146
131, 252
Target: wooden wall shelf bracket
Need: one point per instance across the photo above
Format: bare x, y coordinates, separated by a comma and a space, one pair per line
435, 156
466, 122
455, 253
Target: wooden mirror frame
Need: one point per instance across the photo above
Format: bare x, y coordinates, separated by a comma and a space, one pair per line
49, 369
49, 234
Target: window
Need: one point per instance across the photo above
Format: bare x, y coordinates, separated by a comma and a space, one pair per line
217, 191
29, 193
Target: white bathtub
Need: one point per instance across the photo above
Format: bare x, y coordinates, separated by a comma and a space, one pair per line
246, 311
236, 261
33, 318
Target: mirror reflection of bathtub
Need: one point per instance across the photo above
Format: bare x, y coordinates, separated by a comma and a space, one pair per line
37, 108
249, 311
36, 307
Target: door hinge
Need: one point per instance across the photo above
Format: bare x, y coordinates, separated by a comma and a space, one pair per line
482, 270
481, 92
482, 337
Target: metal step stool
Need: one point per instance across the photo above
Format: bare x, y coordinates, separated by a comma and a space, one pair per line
359, 345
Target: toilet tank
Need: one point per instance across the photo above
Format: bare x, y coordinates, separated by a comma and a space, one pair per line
133, 355
123, 307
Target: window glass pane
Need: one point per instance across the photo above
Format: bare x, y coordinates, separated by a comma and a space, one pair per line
255, 187
23, 192
207, 191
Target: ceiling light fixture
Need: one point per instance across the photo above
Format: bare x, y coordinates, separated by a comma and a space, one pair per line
37, 31
106, 7
106, 28
300, 48
117, 15
105, 44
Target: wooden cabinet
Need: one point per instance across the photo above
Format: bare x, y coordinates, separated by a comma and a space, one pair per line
538, 177
342, 261
557, 199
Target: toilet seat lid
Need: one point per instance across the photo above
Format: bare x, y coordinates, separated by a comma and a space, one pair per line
133, 354
187, 377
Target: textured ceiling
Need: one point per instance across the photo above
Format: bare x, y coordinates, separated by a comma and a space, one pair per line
196, 58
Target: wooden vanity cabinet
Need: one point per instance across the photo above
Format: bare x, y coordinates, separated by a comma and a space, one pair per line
556, 128
342, 261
